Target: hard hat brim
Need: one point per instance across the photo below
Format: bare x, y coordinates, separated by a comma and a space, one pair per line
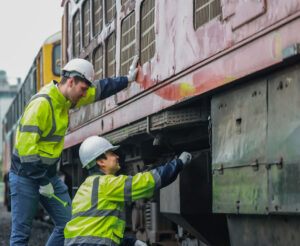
110, 149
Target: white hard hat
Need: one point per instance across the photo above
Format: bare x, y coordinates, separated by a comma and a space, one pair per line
81, 68
93, 147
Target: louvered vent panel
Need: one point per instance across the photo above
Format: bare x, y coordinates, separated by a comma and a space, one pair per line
124, 1
98, 62
147, 30
111, 56
76, 35
127, 42
110, 10
86, 23
205, 10
97, 17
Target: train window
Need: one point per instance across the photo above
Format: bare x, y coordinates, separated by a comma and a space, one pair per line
205, 10
65, 36
98, 62
147, 30
56, 59
86, 23
76, 35
20, 95
127, 42
97, 17
41, 72
111, 56
110, 10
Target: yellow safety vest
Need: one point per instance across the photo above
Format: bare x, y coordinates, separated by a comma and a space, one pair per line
98, 208
41, 131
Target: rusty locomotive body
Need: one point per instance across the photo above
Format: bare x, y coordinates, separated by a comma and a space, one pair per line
219, 78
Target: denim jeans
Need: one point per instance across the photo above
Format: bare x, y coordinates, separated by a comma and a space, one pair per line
24, 201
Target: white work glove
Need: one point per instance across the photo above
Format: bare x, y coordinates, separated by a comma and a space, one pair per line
186, 158
133, 70
46, 190
140, 243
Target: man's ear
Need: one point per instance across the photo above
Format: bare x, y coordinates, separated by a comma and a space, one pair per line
71, 81
100, 162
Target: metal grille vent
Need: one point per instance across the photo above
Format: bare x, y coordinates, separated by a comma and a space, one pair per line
76, 35
97, 16
86, 23
111, 56
147, 30
98, 62
205, 10
127, 42
110, 10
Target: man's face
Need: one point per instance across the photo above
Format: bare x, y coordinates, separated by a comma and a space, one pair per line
77, 91
111, 163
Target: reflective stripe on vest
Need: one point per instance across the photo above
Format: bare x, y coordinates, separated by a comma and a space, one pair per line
91, 240
35, 129
50, 137
34, 158
93, 211
128, 189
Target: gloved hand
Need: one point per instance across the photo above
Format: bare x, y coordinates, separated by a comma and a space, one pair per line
140, 243
133, 70
46, 190
185, 157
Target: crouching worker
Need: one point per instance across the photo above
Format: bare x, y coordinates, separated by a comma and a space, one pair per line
98, 208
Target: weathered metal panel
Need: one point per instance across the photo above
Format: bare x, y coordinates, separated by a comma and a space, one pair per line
284, 189
239, 128
239, 123
284, 140
258, 173
284, 116
263, 230
240, 190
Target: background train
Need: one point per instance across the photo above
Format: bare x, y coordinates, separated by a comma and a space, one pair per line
46, 66
218, 78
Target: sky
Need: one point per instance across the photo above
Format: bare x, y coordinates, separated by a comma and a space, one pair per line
24, 26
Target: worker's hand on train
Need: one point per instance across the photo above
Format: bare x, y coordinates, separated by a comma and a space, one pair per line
46, 190
133, 70
139, 243
185, 157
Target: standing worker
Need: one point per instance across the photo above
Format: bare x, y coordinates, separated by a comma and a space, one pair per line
98, 208
39, 143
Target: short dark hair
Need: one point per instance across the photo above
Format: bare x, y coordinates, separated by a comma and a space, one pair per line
76, 78
103, 156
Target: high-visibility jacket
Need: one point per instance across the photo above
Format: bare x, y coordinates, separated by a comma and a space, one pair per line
98, 208
40, 134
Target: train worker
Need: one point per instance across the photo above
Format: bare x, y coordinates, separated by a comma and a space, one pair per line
39, 143
98, 206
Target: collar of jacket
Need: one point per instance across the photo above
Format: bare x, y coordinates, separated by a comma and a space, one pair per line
97, 173
59, 97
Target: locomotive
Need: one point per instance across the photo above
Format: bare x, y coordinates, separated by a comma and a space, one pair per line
217, 78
